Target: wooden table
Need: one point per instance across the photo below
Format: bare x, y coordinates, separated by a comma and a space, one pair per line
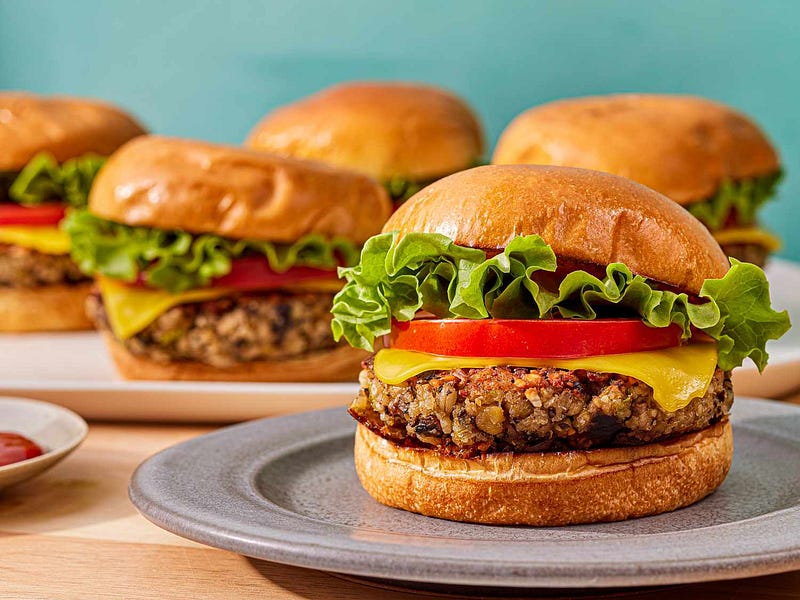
72, 533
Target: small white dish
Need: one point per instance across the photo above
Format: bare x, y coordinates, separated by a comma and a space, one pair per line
56, 430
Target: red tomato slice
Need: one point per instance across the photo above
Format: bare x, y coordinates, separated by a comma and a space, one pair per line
254, 272
44, 214
534, 338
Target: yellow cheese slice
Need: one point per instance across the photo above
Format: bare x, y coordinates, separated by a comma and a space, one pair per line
677, 375
316, 285
49, 240
131, 309
749, 235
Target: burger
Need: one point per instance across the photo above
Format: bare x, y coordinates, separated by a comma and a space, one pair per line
558, 348
219, 263
402, 134
50, 150
706, 156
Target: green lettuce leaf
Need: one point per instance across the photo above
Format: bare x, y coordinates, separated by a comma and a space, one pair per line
43, 179
178, 261
397, 277
743, 197
400, 189
6, 179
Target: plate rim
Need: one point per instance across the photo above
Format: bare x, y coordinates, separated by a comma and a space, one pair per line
321, 552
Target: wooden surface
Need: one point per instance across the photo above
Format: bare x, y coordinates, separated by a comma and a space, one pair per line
72, 533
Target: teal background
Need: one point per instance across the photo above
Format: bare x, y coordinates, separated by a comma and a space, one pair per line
211, 69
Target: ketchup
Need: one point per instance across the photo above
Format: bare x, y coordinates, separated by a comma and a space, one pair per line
15, 448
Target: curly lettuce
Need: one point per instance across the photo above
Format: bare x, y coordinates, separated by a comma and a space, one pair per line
400, 189
398, 276
177, 261
43, 180
741, 198
6, 179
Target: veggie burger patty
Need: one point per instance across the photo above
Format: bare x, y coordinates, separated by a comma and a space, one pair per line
226, 331
25, 267
468, 412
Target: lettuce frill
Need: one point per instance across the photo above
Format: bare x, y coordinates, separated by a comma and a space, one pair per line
399, 276
177, 261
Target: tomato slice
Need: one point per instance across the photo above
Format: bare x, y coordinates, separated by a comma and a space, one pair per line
44, 214
532, 338
254, 272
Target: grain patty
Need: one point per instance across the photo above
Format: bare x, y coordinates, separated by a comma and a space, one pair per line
752, 253
24, 267
467, 412
235, 329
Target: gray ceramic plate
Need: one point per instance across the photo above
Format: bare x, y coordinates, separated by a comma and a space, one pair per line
285, 490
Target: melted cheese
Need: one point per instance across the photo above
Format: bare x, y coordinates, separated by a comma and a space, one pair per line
45, 239
131, 309
750, 235
316, 285
677, 375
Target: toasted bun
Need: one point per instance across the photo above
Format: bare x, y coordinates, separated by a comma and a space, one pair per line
340, 364
584, 215
65, 127
207, 188
681, 146
382, 129
546, 488
45, 308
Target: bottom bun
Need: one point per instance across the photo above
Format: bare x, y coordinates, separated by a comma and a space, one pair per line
341, 363
44, 308
546, 488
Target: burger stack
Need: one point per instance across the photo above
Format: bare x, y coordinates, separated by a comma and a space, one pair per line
51, 148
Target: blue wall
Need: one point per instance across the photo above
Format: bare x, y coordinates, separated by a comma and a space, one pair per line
210, 69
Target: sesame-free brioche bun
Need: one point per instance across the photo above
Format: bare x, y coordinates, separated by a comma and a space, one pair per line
546, 488
199, 187
341, 363
383, 129
681, 146
583, 215
44, 308
64, 127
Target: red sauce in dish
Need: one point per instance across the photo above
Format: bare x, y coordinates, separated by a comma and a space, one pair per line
16, 448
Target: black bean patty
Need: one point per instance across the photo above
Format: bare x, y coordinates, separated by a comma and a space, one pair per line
752, 253
231, 330
24, 267
467, 412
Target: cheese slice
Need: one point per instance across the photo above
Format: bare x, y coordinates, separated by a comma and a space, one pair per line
316, 285
677, 375
131, 309
748, 235
45, 239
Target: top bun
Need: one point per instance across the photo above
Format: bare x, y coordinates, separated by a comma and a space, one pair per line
385, 130
62, 126
236, 193
681, 146
583, 215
